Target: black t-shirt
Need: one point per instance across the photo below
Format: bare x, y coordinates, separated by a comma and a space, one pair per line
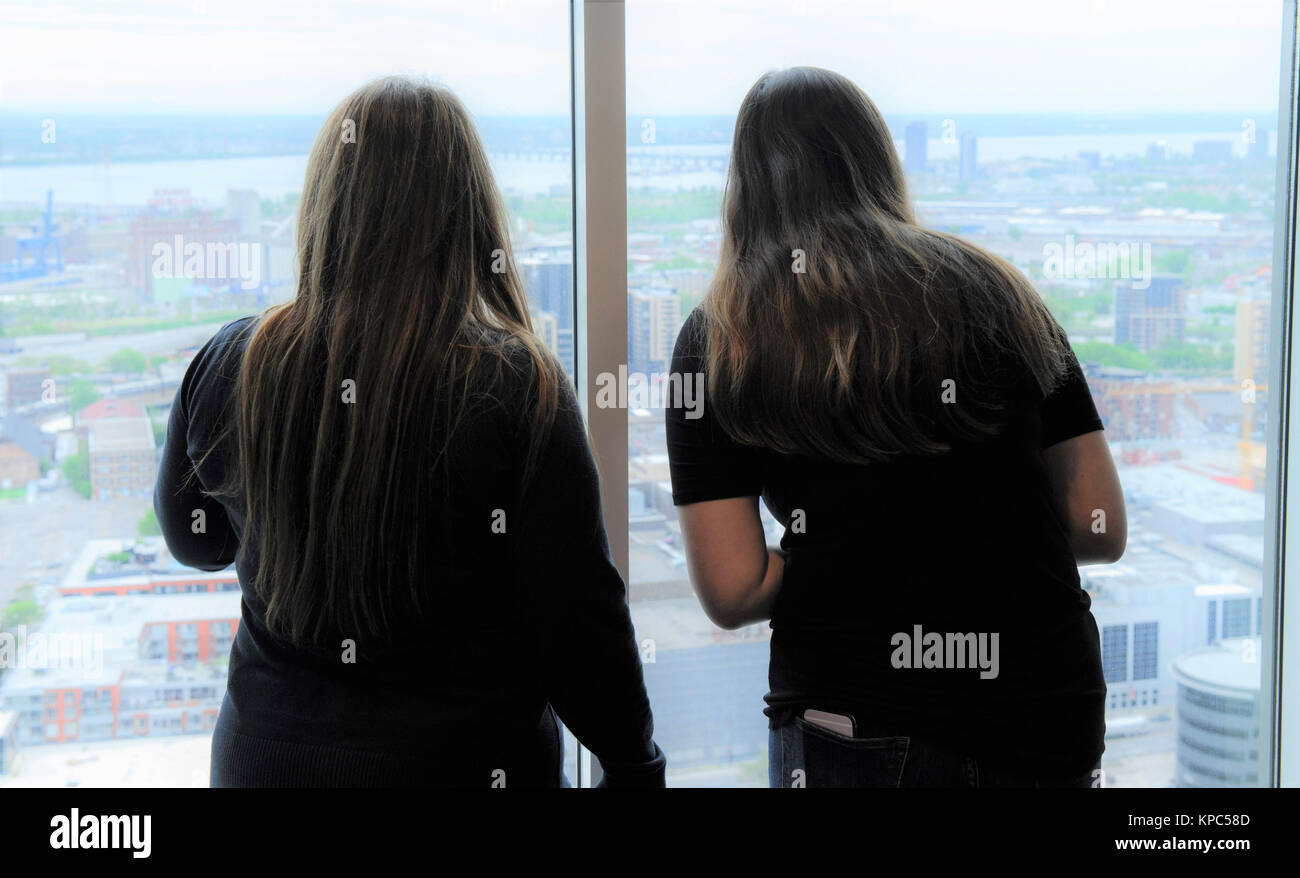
964, 543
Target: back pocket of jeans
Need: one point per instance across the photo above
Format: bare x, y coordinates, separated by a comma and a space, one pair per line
832, 760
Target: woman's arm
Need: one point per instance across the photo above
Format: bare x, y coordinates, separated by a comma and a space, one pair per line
576, 608
1088, 497
195, 526
736, 576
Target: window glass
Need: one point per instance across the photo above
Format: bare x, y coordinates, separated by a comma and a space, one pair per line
1144, 132
130, 125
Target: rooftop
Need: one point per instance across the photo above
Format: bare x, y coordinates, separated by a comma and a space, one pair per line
1192, 495
91, 641
1230, 668
110, 408
83, 571
108, 435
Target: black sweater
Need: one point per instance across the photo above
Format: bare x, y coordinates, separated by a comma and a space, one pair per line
530, 623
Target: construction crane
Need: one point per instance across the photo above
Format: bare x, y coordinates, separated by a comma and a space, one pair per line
1251, 453
43, 239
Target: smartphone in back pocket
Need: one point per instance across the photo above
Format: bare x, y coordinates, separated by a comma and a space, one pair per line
839, 723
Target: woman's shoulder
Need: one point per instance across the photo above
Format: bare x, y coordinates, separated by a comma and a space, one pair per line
692, 338
230, 338
212, 373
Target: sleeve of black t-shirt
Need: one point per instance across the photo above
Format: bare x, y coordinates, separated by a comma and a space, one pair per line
704, 462
1069, 410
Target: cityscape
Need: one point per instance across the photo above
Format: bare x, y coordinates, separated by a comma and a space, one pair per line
1150, 238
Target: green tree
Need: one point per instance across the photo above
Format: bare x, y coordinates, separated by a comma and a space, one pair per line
1173, 261
1126, 355
148, 525
76, 469
1182, 355
81, 393
22, 609
58, 364
18, 612
127, 360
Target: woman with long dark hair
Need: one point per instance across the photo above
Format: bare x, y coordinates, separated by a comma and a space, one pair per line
399, 470
912, 414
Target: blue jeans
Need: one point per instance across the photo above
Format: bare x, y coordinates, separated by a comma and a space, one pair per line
803, 755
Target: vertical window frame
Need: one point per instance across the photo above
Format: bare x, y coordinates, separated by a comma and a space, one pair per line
1279, 749
598, 114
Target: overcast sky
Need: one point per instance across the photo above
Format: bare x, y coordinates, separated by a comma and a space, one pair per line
684, 56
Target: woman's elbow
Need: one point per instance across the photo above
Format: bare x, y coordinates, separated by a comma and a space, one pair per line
1105, 547
1119, 542
198, 554
725, 615
726, 606
198, 549
1112, 550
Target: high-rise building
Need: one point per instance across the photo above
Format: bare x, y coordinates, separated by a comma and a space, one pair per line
915, 153
690, 283
1148, 318
1218, 715
1250, 353
653, 318
547, 325
968, 166
548, 280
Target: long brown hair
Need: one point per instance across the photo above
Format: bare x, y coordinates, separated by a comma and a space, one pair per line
406, 289
860, 355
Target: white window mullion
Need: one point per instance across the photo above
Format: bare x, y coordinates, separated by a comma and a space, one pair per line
600, 257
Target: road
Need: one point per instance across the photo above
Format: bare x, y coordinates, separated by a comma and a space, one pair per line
39, 540
97, 348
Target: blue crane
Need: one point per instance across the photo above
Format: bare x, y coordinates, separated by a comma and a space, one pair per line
43, 239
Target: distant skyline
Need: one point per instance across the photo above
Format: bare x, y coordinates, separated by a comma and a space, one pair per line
510, 57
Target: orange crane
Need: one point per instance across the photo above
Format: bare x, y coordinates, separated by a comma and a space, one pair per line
1251, 453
